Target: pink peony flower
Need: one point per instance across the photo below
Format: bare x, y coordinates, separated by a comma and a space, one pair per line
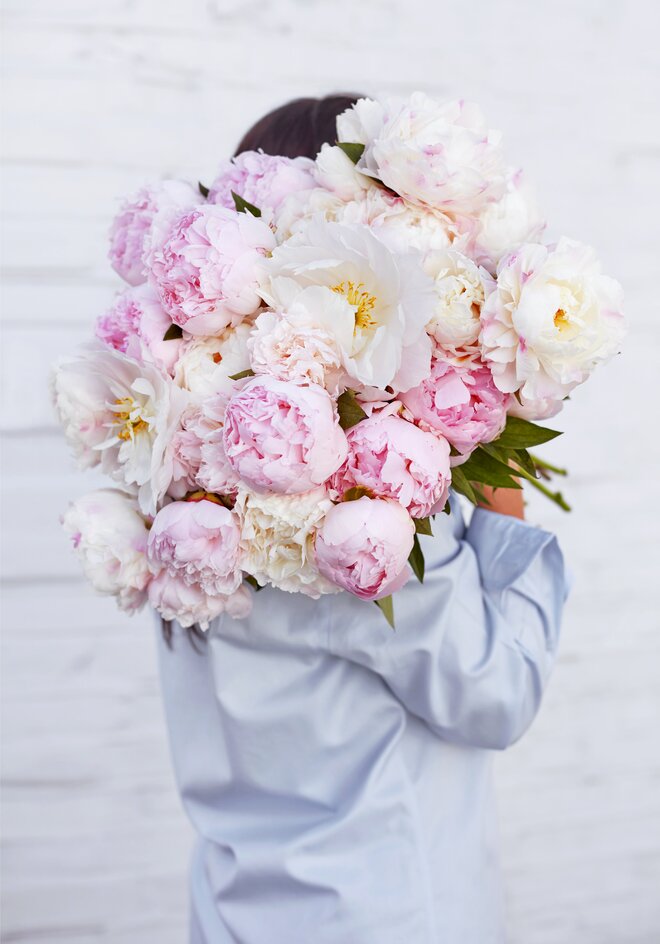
187, 603
186, 454
363, 546
204, 265
262, 179
461, 402
131, 227
395, 459
214, 472
197, 541
281, 437
136, 324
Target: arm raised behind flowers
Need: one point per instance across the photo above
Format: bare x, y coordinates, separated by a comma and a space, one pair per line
475, 644
505, 501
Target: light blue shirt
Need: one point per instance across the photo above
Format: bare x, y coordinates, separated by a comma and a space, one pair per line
338, 773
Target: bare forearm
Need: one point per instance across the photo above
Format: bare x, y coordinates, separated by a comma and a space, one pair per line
506, 501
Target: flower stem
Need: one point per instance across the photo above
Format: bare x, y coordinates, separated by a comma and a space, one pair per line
555, 497
542, 464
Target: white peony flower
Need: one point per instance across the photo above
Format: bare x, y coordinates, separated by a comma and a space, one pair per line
504, 225
387, 299
206, 365
362, 123
552, 319
122, 415
278, 539
404, 228
399, 225
437, 155
298, 209
298, 343
539, 409
336, 172
110, 538
461, 289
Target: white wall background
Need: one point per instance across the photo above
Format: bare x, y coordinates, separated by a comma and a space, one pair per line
100, 96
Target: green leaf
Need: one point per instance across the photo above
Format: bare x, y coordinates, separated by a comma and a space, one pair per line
521, 434
350, 411
202, 189
243, 206
423, 526
416, 560
386, 606
173, 332
484, 468
447, 509
253, 583
522, 458
460, 484
353, 150
481, 498
241, 374
357, 491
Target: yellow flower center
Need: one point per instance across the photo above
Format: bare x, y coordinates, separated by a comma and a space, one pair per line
561, 320
128, 419
361, 300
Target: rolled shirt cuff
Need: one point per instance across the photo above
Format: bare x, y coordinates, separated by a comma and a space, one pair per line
506, 548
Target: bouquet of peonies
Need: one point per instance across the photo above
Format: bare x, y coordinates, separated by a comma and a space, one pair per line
311, 353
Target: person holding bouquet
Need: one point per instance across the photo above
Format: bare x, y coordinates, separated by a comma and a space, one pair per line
318, 360
338, 774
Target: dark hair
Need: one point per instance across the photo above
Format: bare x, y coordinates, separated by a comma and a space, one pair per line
296, 129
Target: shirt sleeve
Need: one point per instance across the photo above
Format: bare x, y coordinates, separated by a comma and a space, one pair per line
474, 644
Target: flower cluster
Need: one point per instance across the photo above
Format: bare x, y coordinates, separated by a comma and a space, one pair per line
309, 354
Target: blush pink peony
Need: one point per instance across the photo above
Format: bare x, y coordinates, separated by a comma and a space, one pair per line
461, 402
205, 264
188, 604
197, 541
283, 438
363, 546
395, 459
186, 454
131, 228
264, 180
136, 324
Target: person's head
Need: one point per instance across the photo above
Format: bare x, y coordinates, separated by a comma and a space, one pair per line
299, 128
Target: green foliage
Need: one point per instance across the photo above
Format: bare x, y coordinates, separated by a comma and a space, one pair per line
350, 411
521, 434
423, 526
357, 491
243, 206
253, 583
386, 606
248, 372
173, 332
416, 560
353, 151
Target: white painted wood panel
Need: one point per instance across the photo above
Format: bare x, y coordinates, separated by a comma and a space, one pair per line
99, 97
